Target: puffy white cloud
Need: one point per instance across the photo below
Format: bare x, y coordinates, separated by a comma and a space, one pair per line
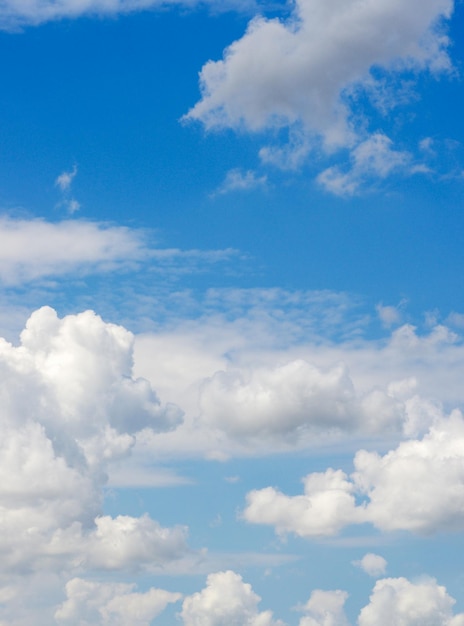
69, 407
325, 608
306, 73
92, 603
282, 72
296, 401
419, 487
373, 564
372, 158
403, 603
225, 601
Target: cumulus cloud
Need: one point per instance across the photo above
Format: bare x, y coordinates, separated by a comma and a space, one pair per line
325, 608
305, 73
416, 487
373, 158
294, 401
115, 604
373, 564
70, 407
255, 378
226, 599
399, 601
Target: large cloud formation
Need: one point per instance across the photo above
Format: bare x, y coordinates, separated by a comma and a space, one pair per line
69, 408
306, 73
418, 487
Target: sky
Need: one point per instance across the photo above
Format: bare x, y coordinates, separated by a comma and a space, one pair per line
232, 313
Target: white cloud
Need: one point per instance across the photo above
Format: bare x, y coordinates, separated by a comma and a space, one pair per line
305, 73
373, 564
416, 487
389, 315
373, 158
112, 604
34, 249
282, 72
295, 401
65, 179
237, 180
70, 407
15, 14
325, 608
261, 372
403, 603
226, 599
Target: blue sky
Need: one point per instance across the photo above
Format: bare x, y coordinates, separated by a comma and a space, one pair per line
231, 271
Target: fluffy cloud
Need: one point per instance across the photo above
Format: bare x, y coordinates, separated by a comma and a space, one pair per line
418, 487
69, 408
372, 158
92, 603
295, 401
403, 603
226, 599
373, 564
261, 378
306, 73
283, 72
325, 608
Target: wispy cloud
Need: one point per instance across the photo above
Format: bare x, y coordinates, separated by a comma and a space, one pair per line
37, 249
238, 180
64, 182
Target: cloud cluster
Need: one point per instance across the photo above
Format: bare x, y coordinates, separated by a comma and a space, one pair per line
226, 599
393, 601
70, 407
89, 603
418, 487
400, 601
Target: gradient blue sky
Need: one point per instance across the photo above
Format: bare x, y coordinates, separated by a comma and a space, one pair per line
268, 196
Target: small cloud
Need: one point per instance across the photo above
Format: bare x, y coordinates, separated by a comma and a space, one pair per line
426, 145
237, 180
73, 206
232, 479
64, 182
390, 315
372, 564
372, 159
65, 179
